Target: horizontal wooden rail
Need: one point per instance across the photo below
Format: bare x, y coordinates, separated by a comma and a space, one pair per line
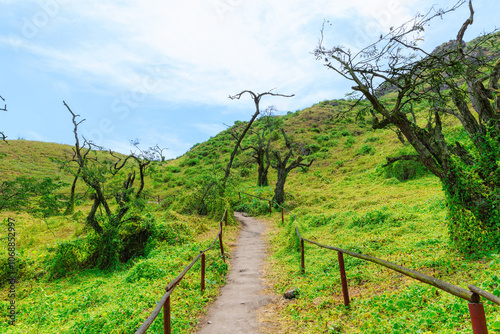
165, 300
213, 242
176, 281
476, 309
144, 327
450, 288
491, 297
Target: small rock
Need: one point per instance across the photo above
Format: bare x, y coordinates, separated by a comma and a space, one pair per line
291, 294
209, 322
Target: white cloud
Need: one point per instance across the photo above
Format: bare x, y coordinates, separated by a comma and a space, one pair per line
33, 135
180, 54
211, 48
209, 129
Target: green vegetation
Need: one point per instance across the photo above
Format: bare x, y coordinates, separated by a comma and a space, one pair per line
103, 265
345, 199
457, 83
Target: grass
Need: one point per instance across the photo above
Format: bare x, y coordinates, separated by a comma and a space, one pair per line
345, 199
348, 200
111, 301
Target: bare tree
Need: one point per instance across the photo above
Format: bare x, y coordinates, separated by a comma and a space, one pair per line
153, 153
447, 81
96, 173
159, 150
260, 145
284, 166
2, 135
256, 98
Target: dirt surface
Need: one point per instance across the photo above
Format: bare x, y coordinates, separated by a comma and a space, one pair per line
235, 310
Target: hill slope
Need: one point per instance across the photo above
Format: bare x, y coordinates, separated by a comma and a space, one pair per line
345, 199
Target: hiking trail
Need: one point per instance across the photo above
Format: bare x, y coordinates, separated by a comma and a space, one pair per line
235, 309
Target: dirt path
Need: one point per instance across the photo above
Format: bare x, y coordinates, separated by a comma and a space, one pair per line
234, 311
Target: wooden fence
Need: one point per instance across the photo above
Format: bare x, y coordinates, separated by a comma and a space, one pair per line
165, 300
473, 294
476, 309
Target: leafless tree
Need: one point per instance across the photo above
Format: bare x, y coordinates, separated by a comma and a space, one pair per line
256, 98
284, 166
159, 151
95, 173
260, 145
3, 137
447, 81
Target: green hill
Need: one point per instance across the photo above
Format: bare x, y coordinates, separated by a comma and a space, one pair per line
347, 198
30, 158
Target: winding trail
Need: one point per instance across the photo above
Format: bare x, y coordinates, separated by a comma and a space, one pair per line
234, 311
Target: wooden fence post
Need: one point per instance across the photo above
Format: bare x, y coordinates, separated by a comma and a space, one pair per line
282, 216
478, 318
220, 241
302, 255
167, 328
270, 208
225, 218
343, 278
202, 272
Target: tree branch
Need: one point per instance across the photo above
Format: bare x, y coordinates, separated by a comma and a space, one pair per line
5, 106
256, 98
464, 27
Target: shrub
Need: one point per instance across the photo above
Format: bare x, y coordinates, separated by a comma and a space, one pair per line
146, 269
244, 172
104, 249
322, 138
467, 234
134, 237
312, 148
335, 134
371, 139
349, 142
69, 256
193, 162
173, 169
366, 150
275, 135
405, 170
173, 234
332, 143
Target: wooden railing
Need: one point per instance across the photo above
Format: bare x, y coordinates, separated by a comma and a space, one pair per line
476, 309
165, 300
283, 209
473, 295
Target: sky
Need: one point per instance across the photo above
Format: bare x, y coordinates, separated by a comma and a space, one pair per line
161, 71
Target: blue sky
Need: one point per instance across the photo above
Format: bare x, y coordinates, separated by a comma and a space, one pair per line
162, 70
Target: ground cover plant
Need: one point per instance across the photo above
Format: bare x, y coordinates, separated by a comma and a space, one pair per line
116, 300
57, 286
349, 197
397, 213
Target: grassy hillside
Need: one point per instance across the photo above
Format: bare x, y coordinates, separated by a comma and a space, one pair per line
345, 199
31, 158
82, 300
348, 199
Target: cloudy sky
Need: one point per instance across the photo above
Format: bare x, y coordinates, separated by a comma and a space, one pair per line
162, 70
